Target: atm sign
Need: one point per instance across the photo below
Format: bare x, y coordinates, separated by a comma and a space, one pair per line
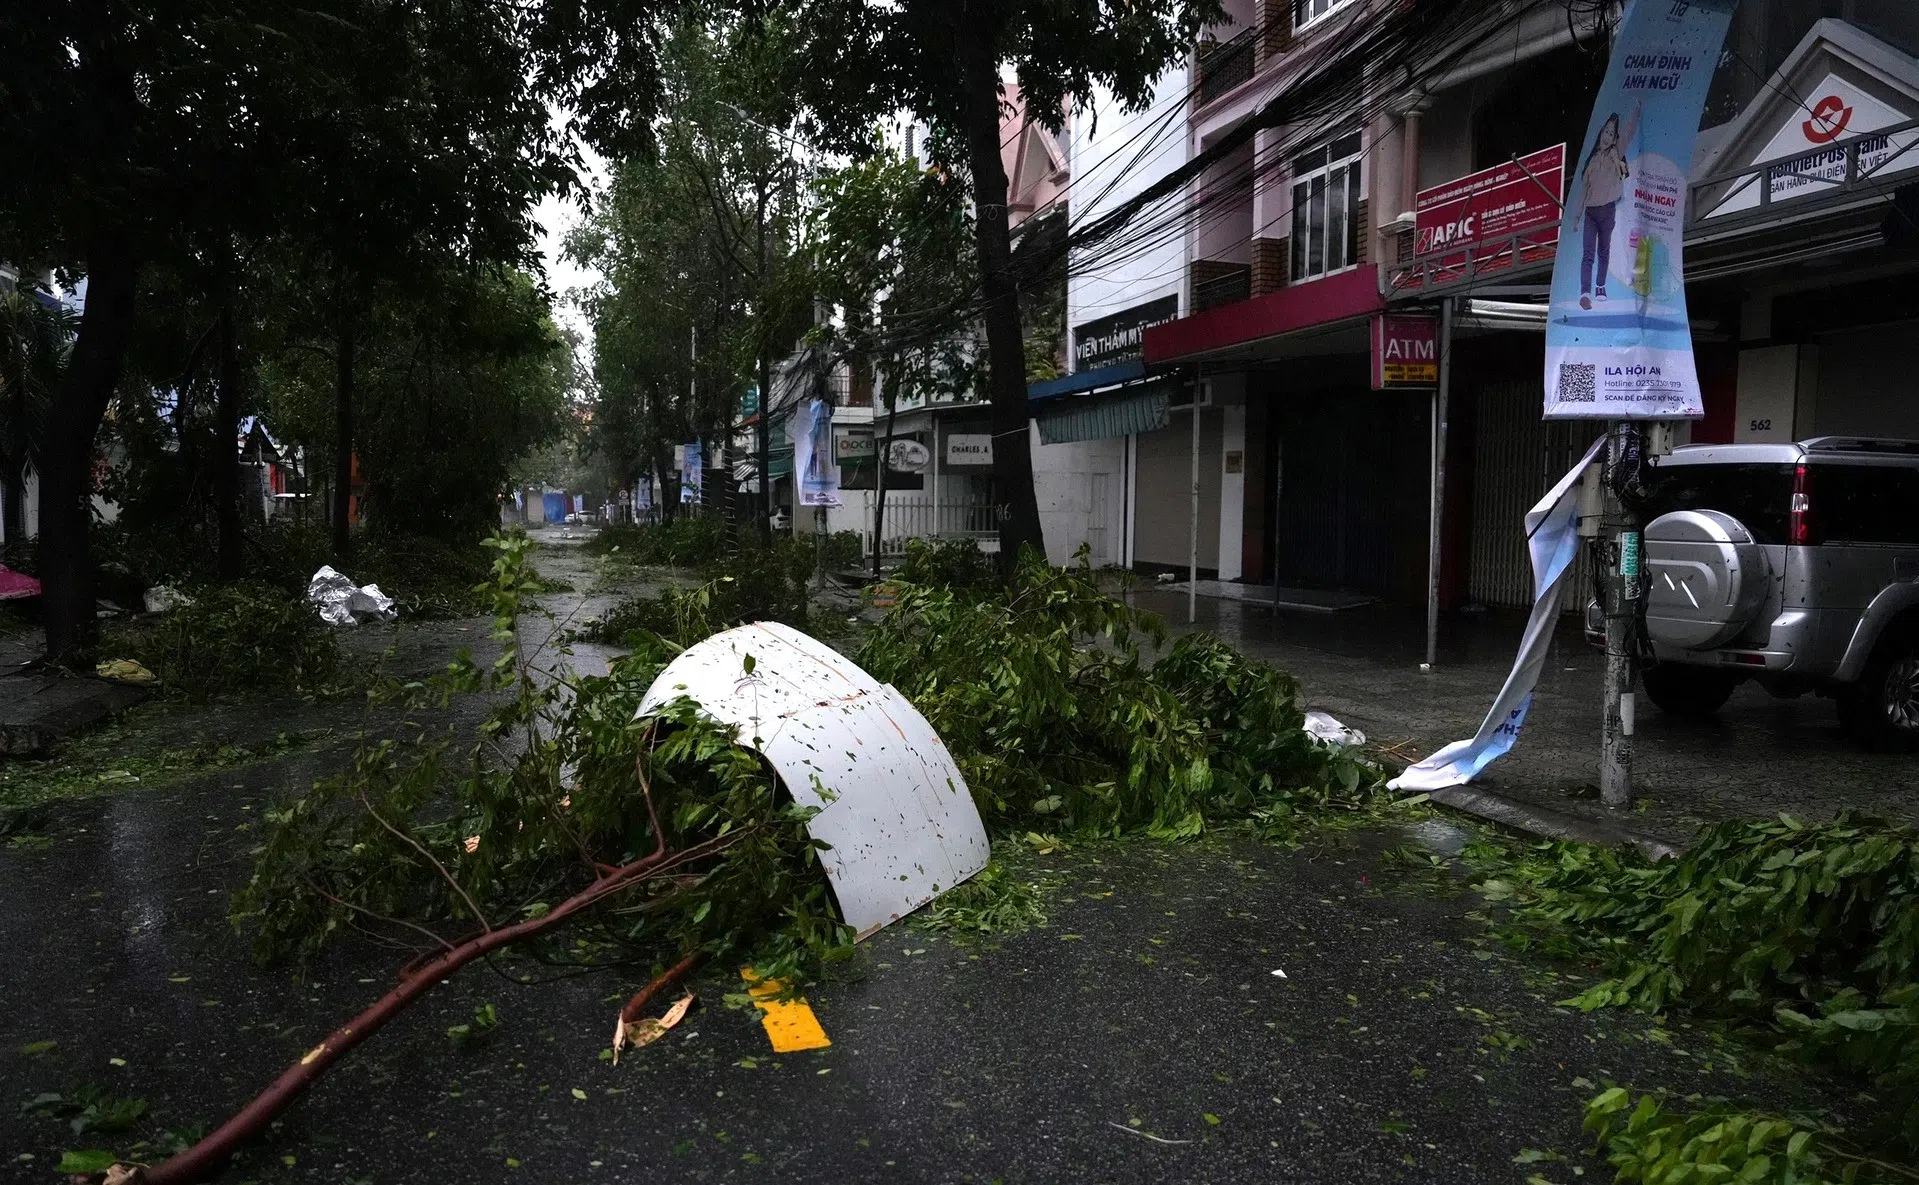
1405, 351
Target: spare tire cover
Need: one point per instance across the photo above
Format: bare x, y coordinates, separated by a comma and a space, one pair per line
1706, 578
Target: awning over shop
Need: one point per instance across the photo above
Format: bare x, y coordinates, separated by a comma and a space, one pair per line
1316, 303
1087, 380
1131, 410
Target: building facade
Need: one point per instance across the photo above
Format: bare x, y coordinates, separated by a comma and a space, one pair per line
1292, 239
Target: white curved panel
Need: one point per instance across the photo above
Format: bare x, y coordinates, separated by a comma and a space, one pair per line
901, 822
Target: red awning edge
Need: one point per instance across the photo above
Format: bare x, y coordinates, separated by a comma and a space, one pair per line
1340, 297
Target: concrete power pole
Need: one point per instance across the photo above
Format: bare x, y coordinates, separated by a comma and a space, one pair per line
1624, 455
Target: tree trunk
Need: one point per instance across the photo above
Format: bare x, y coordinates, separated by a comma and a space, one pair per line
762, 442
66, 455
1019, 524
14, 525
880, 450
343, 442
226, 451
669, 486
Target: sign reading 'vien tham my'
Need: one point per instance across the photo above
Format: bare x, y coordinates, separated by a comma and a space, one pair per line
1121, 337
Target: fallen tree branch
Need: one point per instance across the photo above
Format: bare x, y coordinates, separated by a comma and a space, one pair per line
205, 1157
438, 867
630, 1011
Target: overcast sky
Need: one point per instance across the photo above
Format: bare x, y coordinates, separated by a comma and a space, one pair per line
556, 217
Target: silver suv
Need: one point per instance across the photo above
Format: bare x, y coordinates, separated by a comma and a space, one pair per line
1793, 565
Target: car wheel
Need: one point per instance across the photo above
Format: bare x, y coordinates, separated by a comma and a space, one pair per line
1883, 710
1691, 692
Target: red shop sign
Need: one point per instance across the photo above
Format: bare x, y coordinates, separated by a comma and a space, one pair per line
1462, 228
1405, 351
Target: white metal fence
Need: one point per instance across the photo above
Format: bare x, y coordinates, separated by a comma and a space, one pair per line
910, 514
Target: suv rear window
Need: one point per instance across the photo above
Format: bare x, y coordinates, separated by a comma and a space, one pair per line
1865, 503
1759, 496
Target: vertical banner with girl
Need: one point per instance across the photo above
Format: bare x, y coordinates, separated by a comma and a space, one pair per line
1618, 342
813, 460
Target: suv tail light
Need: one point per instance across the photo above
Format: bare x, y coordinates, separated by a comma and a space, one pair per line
1799, 525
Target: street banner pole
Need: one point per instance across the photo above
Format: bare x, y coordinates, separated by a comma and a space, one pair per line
1621, 585
1192, 535
1441, 398
1618, 336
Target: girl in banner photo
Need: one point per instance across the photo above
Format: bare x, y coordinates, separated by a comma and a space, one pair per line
1602, 184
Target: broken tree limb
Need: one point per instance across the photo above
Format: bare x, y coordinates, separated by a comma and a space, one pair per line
631, 1010
204, 1158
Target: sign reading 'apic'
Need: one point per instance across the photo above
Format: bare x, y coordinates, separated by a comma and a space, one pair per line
1405, 351
1475, 212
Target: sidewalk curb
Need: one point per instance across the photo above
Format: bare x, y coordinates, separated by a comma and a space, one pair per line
1549, 823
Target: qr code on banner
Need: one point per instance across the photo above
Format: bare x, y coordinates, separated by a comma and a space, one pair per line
1578, 382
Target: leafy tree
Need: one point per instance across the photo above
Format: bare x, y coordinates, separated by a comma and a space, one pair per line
456, 384
696, 242
859, 63
888, 246
144, 132
36, 333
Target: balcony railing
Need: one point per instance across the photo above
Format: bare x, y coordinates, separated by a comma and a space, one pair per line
1224, 66
1216, 283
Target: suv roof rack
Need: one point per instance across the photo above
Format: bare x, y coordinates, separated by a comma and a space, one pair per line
1860, 444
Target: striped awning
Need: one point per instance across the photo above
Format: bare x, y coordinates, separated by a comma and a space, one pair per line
1124, 412
779, 463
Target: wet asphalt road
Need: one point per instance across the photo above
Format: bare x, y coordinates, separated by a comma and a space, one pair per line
1400, 1045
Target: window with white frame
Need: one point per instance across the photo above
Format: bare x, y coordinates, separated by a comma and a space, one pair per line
1326, 196
1305, 12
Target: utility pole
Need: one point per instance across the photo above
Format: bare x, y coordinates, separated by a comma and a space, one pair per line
1623, 459
1436, 517
1192, 511
762, 440
693, 404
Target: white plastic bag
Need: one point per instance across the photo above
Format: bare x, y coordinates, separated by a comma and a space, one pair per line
1330, 731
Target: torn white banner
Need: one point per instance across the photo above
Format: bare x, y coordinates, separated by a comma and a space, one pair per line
1552, 536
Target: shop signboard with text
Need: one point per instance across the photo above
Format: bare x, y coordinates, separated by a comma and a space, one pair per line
1487, 221
1121, 337
969, 448
1825, 128
852, 446
1405, 351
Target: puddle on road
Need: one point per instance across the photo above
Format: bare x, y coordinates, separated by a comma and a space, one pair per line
1439, 836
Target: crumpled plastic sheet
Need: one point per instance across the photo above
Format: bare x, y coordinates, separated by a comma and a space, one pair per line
1325, 728
341, 602
164, 598
125, 670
